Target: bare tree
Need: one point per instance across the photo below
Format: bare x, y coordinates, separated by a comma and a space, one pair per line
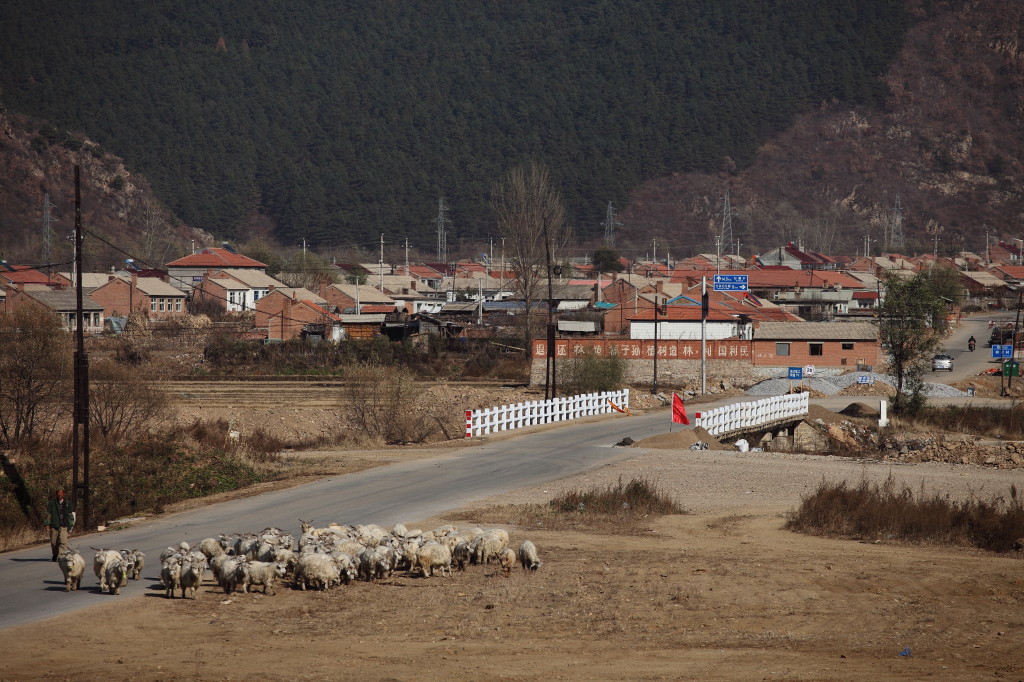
531, 218
121, 402
35, 355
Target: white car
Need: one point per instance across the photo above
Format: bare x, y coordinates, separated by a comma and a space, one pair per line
942, 362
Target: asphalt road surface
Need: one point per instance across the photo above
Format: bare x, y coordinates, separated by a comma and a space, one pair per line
969, 363
31, 588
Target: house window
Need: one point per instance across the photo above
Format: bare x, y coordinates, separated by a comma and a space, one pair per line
177, 305
152, 305
161, 305
782, 349
815, 349
847, 346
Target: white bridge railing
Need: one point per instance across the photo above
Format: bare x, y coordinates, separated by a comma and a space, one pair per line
508, 417
743, 416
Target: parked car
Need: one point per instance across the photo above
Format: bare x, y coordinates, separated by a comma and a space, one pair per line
942, 362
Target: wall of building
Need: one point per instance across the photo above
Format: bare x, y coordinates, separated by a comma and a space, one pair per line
833, 354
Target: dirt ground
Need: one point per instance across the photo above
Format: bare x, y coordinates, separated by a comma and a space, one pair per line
722, 592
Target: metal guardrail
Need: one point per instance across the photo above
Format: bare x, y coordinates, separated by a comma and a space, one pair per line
507, 417
722, 421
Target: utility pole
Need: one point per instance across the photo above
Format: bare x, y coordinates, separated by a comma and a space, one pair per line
551, 377
718, 254
80, 435
380, 267
406, 256
654, 260
703, 335
894, 229
654, 385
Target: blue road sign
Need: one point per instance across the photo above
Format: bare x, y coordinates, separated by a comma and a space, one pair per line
730, 283
865, 379
796, 373
1004, 350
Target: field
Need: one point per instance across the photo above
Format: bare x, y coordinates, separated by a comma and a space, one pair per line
721, 592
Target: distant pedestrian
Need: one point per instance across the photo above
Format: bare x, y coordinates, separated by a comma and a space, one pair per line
59, 520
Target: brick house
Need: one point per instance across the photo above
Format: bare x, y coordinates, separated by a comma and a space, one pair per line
150, 296
822, 344
187, 272
271, 307
288, 314
235, 290
63, 302
350, 298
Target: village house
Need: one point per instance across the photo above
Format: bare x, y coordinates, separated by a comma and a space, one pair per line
154, 298
822, 344
357, 298
269, 307
63, 302
188, 271
235, 290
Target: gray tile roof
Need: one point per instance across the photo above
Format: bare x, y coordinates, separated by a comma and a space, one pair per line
816, 331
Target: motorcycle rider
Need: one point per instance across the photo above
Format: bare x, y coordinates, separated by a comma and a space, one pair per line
970, 343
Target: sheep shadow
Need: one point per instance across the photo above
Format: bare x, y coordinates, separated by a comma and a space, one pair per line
34, 559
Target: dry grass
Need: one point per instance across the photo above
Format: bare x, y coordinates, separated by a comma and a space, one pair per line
884, 512
992, 422
619, 508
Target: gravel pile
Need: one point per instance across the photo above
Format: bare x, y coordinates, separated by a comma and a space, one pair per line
833, 385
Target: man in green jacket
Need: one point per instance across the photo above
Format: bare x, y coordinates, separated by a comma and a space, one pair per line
59, 520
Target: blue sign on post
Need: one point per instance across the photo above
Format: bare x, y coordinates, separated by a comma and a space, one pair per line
730, 283
796, 373
1001, 351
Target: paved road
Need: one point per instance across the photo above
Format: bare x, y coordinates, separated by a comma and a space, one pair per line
967, 363
31, 588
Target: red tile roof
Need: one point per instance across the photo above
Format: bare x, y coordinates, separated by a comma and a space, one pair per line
23, 274
216, 258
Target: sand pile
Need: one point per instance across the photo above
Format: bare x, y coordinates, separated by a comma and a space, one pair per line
680, 440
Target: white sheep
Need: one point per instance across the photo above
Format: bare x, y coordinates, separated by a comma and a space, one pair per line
135, 560
72, 565
116, 575
99, 564
506, 559
170, 576
190, 577
316, 570
432, 556
488, 546
372, 564
263, 573
346, 567
211, 547
233, 574
460, 554
528, 556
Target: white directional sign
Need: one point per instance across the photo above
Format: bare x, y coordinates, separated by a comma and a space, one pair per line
730, 283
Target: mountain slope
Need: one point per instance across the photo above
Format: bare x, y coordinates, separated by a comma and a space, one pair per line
340, 121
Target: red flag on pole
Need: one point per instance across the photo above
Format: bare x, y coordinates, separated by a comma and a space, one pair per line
678, 410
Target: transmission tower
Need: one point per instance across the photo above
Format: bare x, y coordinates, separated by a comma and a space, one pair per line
47, 222
894, 237
443, 224
610, 223
726, 234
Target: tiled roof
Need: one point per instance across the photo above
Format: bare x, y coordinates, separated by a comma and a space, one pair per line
254, 279
216, 258
23, 274
63, 299
816, 331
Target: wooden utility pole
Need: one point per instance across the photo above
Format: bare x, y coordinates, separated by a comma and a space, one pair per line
80, 436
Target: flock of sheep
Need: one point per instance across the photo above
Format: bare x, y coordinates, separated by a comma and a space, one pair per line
320, 559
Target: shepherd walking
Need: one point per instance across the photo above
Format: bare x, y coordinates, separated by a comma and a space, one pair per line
59, 519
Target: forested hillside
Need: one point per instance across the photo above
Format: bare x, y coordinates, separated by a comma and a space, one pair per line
335, 122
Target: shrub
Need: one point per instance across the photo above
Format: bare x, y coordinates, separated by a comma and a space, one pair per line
639, 496
885, 512
383, 404
590, 374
